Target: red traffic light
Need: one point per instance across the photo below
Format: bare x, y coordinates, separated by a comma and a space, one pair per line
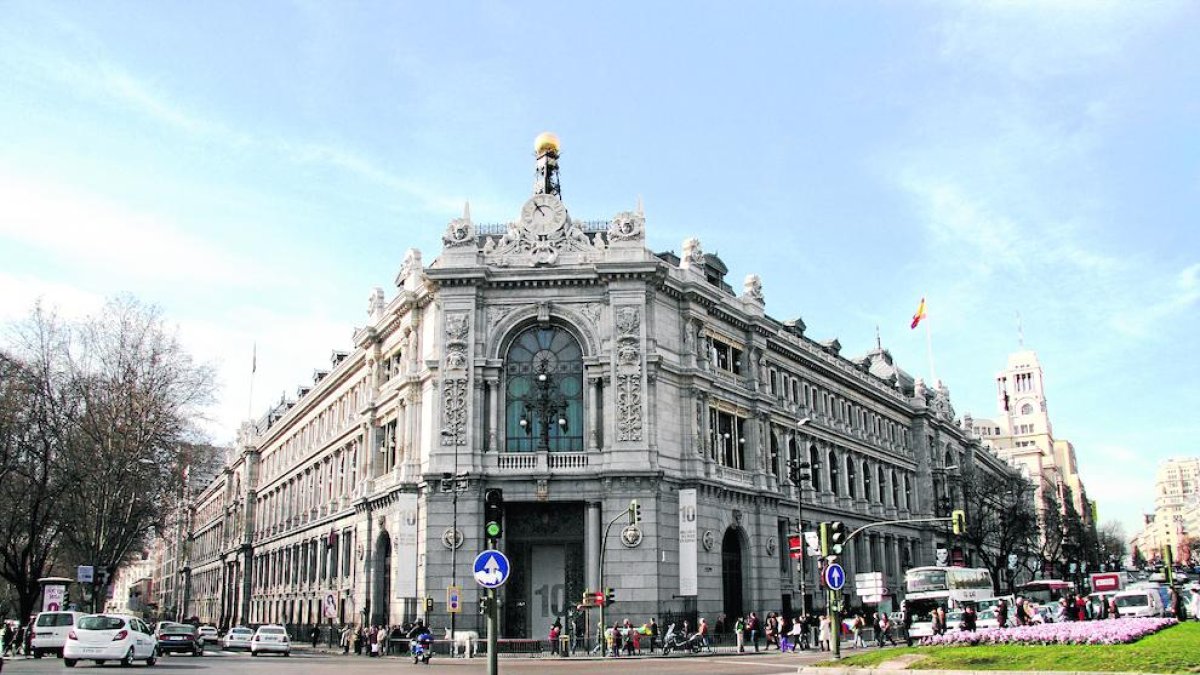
795, 547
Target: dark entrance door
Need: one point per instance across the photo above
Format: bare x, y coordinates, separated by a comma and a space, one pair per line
544, 542
382, 590
731, 572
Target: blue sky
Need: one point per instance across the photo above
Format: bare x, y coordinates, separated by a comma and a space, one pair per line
256, 168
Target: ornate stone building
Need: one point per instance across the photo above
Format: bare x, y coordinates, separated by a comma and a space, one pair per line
568, 365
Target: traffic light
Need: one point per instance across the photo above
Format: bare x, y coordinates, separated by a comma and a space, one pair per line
428, 604
837, 537
610, 596
485, 605
958, 520
823, 528
493, 514
635, 512
796, 546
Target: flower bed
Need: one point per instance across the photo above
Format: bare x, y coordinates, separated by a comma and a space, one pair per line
1111, 632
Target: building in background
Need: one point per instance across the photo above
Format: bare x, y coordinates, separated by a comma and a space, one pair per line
1176, 518
564, 363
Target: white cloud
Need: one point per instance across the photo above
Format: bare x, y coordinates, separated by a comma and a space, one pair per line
95, 236
21, 292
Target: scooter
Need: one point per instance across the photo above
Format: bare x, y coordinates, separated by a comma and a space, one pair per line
673, 641
422, 648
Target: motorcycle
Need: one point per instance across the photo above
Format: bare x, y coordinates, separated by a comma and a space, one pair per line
422, 648
673, 641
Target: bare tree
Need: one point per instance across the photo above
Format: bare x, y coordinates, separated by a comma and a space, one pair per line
1001, 521
1110, 540
101, 415
35, 428
140, 396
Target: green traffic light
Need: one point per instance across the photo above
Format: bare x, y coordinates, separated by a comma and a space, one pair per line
493, 529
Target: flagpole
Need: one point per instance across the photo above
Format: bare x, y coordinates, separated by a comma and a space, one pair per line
929, 349
253, 369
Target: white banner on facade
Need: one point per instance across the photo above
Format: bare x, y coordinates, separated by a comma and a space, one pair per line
688, 565
548, 585
406, 545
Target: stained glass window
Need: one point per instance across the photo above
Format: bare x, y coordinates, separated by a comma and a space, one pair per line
544, 392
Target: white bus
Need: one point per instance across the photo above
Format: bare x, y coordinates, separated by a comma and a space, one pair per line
951, 588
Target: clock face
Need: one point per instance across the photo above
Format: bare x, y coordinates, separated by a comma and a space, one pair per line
543, 214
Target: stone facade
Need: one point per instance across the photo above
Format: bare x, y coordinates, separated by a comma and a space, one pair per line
566, 364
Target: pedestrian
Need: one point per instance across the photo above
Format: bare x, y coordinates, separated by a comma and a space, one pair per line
856, 628
939, 621
771, 630
653, 634
753, 627
702, 632
8, 637
1002, 613
798, 631
823, 633
555, 631
739, 633
969, 620
314, 634
381, 641
1113, 609
885, 625
1194, 605
906, 622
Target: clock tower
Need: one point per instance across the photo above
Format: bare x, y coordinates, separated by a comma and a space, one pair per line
545, 148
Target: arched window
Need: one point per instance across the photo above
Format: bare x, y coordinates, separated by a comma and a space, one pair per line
773, 467
868, 493
1027, 409
833, 473
895, 490
544, 392
852, 476
814, 458
880, 485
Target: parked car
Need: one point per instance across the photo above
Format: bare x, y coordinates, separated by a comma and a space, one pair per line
178, 638
50, 631
208, 634
109, 637
1139, 603
238, 637
270, 638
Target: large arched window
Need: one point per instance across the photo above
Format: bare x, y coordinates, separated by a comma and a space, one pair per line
851, 477
814, 458
544, 392
833, 473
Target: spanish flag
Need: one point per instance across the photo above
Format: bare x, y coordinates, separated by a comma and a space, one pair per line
919, 315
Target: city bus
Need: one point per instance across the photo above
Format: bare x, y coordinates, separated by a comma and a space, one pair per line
951, 588
1044, 592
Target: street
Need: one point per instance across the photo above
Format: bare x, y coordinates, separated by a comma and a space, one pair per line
318, 663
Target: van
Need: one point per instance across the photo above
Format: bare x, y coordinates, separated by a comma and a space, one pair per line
1139, 603
50, 632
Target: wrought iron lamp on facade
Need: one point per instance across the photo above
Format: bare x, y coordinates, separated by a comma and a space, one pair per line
546, 405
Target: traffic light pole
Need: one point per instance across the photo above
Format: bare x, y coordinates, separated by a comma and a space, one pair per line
604, 547
493, 658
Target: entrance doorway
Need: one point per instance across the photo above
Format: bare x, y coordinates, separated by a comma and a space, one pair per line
382, 588
731, 572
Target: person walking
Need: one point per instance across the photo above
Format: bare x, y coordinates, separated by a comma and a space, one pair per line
1002, 613
753, 627
798, 634
885, 629
702, 631
653, 634
906, 622
344, 639
555, 631
739, 634
1194, 605
856, 628
969, 619
823, 633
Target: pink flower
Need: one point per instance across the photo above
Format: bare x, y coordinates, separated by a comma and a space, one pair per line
1118, 631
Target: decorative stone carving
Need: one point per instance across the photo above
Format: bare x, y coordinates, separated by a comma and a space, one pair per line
412, 263
752, 288
772, 546
457, 329
541, 236
629, 373
709, 540
941, 402
460, 232
454, 410
591, 312
627, 226
693, 255
631, 536
375, 304
452, 538
495, 315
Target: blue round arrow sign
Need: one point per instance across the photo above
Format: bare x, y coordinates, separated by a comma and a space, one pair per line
835, 577
491, 569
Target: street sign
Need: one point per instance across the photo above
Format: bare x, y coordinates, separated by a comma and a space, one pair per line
813, 541
454, 599
329, 606
491, 569
835, 577
85, 574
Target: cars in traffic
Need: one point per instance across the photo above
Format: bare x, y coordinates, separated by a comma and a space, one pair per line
238, 637
270, 639
1139, 603
50, 631
178, 638
208, 634
109, 637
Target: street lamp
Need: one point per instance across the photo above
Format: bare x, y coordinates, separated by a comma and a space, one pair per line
798, 473
547, 405
459, 483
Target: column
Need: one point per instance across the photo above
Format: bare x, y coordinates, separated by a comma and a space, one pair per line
591, 397
494, 428
591, 546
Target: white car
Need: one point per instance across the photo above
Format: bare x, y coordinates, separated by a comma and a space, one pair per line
270, 638
50, 632
109, 637
207, 634
1139, 603
238, 637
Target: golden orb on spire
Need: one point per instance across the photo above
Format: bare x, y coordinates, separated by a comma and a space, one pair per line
545, 142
